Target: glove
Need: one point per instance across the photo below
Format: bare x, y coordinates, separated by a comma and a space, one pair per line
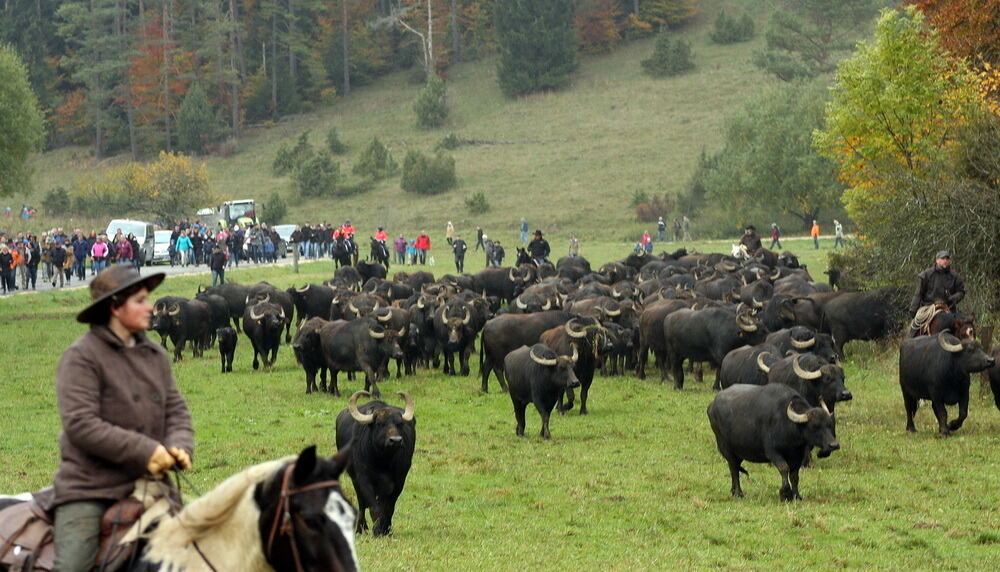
181, 456
160, 461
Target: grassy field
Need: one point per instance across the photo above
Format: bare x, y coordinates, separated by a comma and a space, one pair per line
635, 485
568, 161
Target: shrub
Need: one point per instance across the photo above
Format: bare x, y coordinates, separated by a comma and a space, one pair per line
669, 58
317, 176
477, 203
288, 160
333, 142
655, 208
731, 30
431, 105
427, 176
638, 197
275, 209
57, 202
375, 162
449, 142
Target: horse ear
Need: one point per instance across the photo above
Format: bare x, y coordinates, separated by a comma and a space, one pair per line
342, 459
305, 465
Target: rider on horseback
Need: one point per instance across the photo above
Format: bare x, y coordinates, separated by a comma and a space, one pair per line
122, 415
937, 287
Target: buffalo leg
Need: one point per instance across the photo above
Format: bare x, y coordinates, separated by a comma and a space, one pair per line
544, 433
793, 478
334, 389
310, 381
584, 392
371, 383
463, 361
735, 467
963, 412
485, 367
640, 371
366, 501
322, 379
678, 371
382, 525
519, 408
910, 403
256, 364
222, 356
941, 412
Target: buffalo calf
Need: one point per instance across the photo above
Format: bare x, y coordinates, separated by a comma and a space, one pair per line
227, 346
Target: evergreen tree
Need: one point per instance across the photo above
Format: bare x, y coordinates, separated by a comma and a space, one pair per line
20, 123
537, 45
196, 124
431, 107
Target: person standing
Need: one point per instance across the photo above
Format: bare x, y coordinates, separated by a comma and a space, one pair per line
99, 254
686, 227
775, 235
218, 265
57, 257
646, 242
6, 269
574, 246
411, 252
184, 247
400, 246
814, 233
35, 254
838, 232
459, 247
677, 229
488, 248
480, 236
122, 415
123, 250
661, 230
423, 244
80, 251
539, 249
449, 233
18, 265
524, 231
498, 253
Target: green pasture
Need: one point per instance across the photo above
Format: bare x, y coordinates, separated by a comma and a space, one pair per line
635, 485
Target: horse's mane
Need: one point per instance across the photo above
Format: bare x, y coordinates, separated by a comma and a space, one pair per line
223, 522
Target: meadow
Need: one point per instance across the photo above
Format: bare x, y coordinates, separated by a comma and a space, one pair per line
635, 485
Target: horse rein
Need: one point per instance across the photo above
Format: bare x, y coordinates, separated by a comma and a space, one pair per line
283, 515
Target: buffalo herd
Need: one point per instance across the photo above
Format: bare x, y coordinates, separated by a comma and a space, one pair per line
773, 335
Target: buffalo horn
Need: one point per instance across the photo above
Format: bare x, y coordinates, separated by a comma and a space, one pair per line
420, 302
353, 308
745, 325
520, 304
743, 279
608, 312
511, 275
760, 362
823, 405
615, 292
467, 318
796, 417
949, 346
303, 289
401, 332
254, 315
281, 312
376, 335
547, 306
352, 406
804, 344
174, 309
776, 274
756, 304
576, 354
408, 411
385, 317
797, 368
267, 297
541, 361
574, 333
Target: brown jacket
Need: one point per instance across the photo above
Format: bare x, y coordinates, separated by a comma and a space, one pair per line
117, 404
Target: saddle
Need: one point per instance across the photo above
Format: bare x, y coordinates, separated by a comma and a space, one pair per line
26, 535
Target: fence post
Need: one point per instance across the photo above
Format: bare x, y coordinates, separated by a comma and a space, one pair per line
295, 257
985, 340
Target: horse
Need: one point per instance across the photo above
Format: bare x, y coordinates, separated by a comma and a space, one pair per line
288, 514
340, 251
523, 257
379, 253
944, 320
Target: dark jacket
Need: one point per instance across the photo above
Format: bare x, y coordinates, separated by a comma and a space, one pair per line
57, 255
116, 404
218, 262
938, 284
459, 247
538, 248
752, 242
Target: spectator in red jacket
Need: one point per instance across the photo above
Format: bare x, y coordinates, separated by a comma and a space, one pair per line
423, 244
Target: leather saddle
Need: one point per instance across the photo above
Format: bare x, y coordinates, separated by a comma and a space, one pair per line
26, 534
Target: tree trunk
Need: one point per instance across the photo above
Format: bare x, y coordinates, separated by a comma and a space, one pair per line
274, 66
807, 217
292, 63
120, 15
431, 68
454, 31
347, 59
635, 7
235, 17
166, 75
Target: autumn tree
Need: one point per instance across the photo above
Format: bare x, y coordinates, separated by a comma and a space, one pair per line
20, 123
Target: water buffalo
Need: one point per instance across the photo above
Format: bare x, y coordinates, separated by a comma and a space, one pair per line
769, 424
309, 353
228, 339
505, 333
262, 323
746, 365
382, 439
311, 301
182, 321
937, 368
538, 375
812, 377
358, 345
707, 335
801, 339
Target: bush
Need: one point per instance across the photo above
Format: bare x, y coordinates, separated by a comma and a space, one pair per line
57, 202
375, 162
638, 197
197, 125
275, 209
288, 160
431, 105
449, 142
477, 203
317, 176
655, 208
333, 142
669, 58
427, 176
731, 30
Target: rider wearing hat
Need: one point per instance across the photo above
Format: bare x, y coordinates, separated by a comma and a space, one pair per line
538, 248
122, 415
938, 284
750, 240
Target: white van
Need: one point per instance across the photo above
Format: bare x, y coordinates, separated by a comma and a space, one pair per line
143, 232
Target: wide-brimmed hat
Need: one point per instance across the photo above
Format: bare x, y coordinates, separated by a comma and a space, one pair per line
538, 233
111, 282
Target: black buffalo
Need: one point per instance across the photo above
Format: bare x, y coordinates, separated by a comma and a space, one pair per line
182, 321
311, 301
456, 332
707, 335
358, 345
538, 375
586, 339
503, 282
370, 270
937, 368
746, 365
769, 424
262, 323
265, 292
309, 353
505, 333
236, 299
812, 377
801, 339
382, 439
227, 346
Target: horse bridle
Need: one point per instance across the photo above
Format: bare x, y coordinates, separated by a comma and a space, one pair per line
283, 523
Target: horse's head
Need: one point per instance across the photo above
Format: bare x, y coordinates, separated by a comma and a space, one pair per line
306, 522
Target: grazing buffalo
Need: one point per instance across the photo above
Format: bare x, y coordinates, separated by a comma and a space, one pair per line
937, 368
262, 323
651, 335
769, 424
382, 439
537, 375
227, 346
707, 335
358, 345
182, 321
309, 353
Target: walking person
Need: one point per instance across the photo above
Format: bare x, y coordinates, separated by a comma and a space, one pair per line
57, 257
480, 236
686, 227
6, 269
99, 254
775, 235
423, 244
122, 415
123, 250
524, 231
488, 248
498, 253
838, 232
218, 265
18, 265
574, 246
35, 256
677, 229
661, 230
449, 233
459, 247
814, 233
399, 245
184, 247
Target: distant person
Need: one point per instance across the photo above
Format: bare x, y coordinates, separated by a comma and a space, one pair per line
686, 227
574, 246
539, 248
488, 248
399, 245
814, 233
938, 285
646, 242
678, 233
449, 233
57, 257
459, 247
480, 235
661, 230
411, 252
838, 232
750, 240
423, 244
524, 231
498, 253
218, 265
775, 235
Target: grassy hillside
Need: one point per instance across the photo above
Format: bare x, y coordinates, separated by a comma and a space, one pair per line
570, 161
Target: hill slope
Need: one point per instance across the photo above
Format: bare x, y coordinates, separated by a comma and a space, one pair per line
568, 161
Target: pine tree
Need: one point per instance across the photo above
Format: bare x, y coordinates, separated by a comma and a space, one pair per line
196, 123
537, 45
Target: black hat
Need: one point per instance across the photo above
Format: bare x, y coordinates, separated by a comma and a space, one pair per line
750, 227
538, 232
111, 282
943, 254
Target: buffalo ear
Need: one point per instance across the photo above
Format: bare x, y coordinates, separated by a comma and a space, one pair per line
305, 465
342, 459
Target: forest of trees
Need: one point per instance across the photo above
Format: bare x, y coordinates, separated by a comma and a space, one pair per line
115, 74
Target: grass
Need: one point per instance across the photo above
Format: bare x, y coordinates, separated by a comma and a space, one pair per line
635, 485
568, 161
